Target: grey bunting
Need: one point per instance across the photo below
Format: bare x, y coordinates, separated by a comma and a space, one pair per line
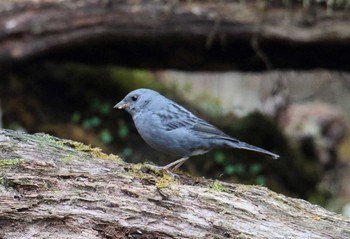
171, 129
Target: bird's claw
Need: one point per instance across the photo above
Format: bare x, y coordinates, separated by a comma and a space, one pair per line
163, 169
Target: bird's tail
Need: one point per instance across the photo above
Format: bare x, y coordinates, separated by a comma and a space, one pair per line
242, 145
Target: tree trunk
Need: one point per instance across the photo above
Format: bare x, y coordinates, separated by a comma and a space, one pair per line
54, 188
190, 35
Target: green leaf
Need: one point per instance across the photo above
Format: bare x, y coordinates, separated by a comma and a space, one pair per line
261, 180
105, 108
86, 124
127, 152
230, 169
219, 157
255, 168
91, 122
123, 131
106, 136
240, 169
95, 121
76, 117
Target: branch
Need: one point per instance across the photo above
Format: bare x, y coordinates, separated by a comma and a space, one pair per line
189, 35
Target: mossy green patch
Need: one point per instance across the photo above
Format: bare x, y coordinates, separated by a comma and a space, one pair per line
135, 167
49, 138
216, 186
95, 152
165, 181
132, 171
77, 145
9, 162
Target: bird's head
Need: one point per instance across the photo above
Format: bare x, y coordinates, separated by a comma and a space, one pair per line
137, 100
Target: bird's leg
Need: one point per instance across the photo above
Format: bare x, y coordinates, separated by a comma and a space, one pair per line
180, 163
176, 164
170, 167
173, 175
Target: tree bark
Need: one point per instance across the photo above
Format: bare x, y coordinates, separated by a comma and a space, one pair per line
188, 35
54, 188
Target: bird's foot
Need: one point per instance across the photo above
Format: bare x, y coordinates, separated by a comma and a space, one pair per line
156, 167
176, 164
169, 168
163, 169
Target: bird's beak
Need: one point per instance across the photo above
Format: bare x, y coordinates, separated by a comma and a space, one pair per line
121, 105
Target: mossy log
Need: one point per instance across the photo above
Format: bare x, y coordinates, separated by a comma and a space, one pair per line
54, 188
190, 35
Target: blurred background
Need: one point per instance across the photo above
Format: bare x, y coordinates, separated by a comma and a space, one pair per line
274, 74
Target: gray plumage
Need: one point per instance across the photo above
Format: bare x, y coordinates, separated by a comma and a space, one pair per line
173, 130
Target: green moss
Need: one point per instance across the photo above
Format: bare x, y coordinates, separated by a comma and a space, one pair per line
68, 158
77, 145
160, 178
95, 152
165, 181
9, 162
216, 186
49, 138
133, 171
135, 167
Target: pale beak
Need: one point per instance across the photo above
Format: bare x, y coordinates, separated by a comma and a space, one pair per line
121, 105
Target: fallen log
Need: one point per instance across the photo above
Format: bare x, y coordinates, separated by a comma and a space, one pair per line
187, 35
56, 188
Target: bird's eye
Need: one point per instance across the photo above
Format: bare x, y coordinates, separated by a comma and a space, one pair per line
134, 97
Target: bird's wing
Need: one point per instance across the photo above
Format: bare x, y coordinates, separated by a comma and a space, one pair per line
206, 130
178, 117
175, 116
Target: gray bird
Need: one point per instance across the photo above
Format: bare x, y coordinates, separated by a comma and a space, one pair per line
173, 130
